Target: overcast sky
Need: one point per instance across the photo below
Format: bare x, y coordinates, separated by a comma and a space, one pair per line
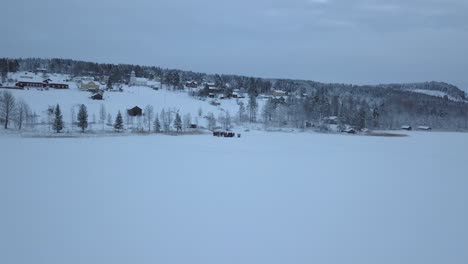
361, 41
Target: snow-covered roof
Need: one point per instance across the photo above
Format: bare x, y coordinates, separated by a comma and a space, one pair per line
424, 127
31, 77
332, 118
153, 83
141, 79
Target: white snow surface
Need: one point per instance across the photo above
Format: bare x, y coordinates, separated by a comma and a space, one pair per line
434, 93
264, 198
39, 101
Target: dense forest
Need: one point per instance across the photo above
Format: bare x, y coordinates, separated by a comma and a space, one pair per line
371, 106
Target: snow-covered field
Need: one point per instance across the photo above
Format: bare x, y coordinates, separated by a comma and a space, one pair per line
263, 198
39, 101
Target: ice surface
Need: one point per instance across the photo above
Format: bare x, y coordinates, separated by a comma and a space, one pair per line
263, 198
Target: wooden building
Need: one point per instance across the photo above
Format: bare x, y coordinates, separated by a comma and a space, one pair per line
135, 111
43, 84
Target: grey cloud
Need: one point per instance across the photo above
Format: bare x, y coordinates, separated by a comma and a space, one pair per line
362, 41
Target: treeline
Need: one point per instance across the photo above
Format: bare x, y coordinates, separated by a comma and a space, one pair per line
388, 109
15, 112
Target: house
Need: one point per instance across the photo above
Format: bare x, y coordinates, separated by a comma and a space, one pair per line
40, 84
406, 128
135, 111
134, 81
349, 130
97, 96
330, 120
209, 84
23, 84
89, 86
57, 85
191, 84
278, 93
424, 128
211, 95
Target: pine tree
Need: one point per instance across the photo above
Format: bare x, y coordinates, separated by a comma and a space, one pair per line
58, 121
83, 118
118, 125
178, 123
157, 125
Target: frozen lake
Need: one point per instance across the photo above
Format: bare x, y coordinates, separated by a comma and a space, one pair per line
264, 198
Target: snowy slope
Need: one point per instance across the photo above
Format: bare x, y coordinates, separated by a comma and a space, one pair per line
40, 100
434, 93
264, 198
115, 101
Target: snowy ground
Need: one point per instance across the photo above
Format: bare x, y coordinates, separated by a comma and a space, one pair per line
263, 198
39, 101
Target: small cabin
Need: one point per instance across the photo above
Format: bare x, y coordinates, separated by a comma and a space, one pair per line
97, 96
135, 111
191, 84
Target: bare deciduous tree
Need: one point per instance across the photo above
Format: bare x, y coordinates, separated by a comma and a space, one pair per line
149, 110
102, 115
7, 107
21, 114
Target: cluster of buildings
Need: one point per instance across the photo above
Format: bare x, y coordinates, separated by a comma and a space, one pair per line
136, 81
31, 79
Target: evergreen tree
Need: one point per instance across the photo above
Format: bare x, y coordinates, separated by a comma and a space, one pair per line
178, 123
118, 125
157, 125
58, 121
83, 118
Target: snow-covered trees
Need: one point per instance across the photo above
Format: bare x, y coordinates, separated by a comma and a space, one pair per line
58, 120
109, 119
241, 115
253, 108
118, 125
102, 115
178, 123
7, 107
82, 118
157, 125
187, 120
73, 116
225, 120
22, 114
200, 112
172, 78
149, 111
211, 121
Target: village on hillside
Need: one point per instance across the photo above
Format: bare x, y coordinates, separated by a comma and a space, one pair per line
173, 101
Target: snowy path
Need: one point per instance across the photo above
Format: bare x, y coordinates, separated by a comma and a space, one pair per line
264, 198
